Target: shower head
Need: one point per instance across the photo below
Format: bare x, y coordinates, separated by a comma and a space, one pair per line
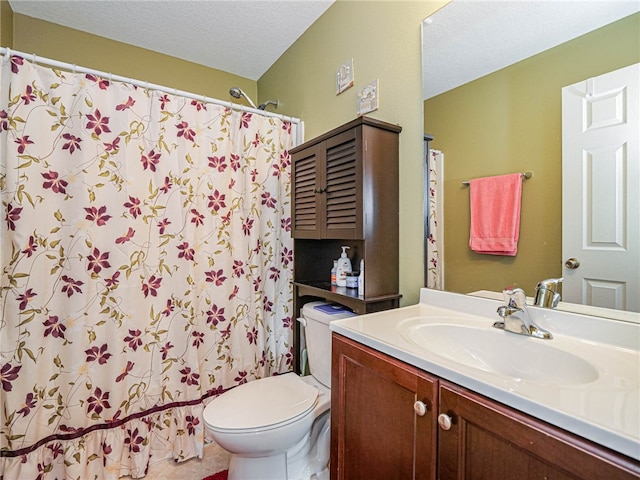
236, 92
275, 103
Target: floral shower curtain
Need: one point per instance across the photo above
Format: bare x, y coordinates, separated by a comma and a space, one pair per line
434, 259
146, 268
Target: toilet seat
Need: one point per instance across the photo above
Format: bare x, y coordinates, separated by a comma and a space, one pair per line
270, 402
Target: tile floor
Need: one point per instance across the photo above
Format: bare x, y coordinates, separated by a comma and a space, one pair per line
213, 460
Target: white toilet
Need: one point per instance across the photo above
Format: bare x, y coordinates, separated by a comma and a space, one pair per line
277, 428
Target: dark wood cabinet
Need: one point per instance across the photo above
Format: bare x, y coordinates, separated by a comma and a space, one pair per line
375, 430
327, 178
345, 183
490, 440
478, 438
345, 191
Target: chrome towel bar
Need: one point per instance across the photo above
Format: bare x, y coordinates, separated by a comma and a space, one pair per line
525, 175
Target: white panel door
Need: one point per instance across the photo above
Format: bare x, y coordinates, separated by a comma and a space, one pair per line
600, 185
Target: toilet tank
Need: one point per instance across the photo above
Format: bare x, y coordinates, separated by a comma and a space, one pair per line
317, 316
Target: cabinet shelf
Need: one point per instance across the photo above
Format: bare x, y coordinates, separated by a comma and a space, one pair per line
347, 296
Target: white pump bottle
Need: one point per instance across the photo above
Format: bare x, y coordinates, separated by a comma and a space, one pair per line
344, 267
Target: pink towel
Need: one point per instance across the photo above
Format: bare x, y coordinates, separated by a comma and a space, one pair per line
495, 214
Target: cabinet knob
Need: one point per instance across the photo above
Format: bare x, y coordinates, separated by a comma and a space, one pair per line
444, 421
320, 190
420, 408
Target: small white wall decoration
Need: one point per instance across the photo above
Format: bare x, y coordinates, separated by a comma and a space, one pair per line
368, 98
344, 77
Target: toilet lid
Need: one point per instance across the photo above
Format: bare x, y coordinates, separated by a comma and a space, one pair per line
261, 403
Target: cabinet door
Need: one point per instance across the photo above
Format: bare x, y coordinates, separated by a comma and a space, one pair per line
375, 431
327, 186
307, 199
487, 440
343, 189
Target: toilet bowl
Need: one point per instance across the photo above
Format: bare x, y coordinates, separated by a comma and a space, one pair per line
277, 428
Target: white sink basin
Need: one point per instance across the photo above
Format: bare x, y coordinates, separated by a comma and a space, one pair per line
492, 350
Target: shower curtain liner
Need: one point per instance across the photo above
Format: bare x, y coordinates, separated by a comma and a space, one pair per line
146, 268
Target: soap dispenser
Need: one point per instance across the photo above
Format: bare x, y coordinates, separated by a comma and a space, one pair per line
344, 267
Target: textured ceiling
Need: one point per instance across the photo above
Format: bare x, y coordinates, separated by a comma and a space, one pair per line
468, 39
243, 37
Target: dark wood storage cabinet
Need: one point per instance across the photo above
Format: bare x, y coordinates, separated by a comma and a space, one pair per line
375, 433
345, 192
345, 183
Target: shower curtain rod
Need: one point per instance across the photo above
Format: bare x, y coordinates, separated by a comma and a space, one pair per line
7, 52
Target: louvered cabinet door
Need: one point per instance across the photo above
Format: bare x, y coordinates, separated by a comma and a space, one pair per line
327, 186
343, 187
307, 212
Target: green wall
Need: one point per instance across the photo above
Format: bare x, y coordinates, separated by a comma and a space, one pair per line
510, 121
384, 40
6, 24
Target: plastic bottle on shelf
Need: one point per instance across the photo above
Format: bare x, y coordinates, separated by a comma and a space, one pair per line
333, 272
361, 278
344, 267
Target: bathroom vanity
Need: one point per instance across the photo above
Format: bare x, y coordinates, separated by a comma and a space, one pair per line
434, 391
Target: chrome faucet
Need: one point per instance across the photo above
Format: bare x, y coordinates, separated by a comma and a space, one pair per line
515, 316
547, 295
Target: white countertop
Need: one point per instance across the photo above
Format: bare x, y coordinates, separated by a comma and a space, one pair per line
605, 410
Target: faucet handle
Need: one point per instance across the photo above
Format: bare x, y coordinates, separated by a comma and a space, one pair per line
515, 298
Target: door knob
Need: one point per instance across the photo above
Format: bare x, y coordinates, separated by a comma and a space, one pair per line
444, 421
420, 408
572, 263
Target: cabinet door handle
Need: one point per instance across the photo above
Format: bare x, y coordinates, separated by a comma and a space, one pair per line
320, 190
444, 421
420, 408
